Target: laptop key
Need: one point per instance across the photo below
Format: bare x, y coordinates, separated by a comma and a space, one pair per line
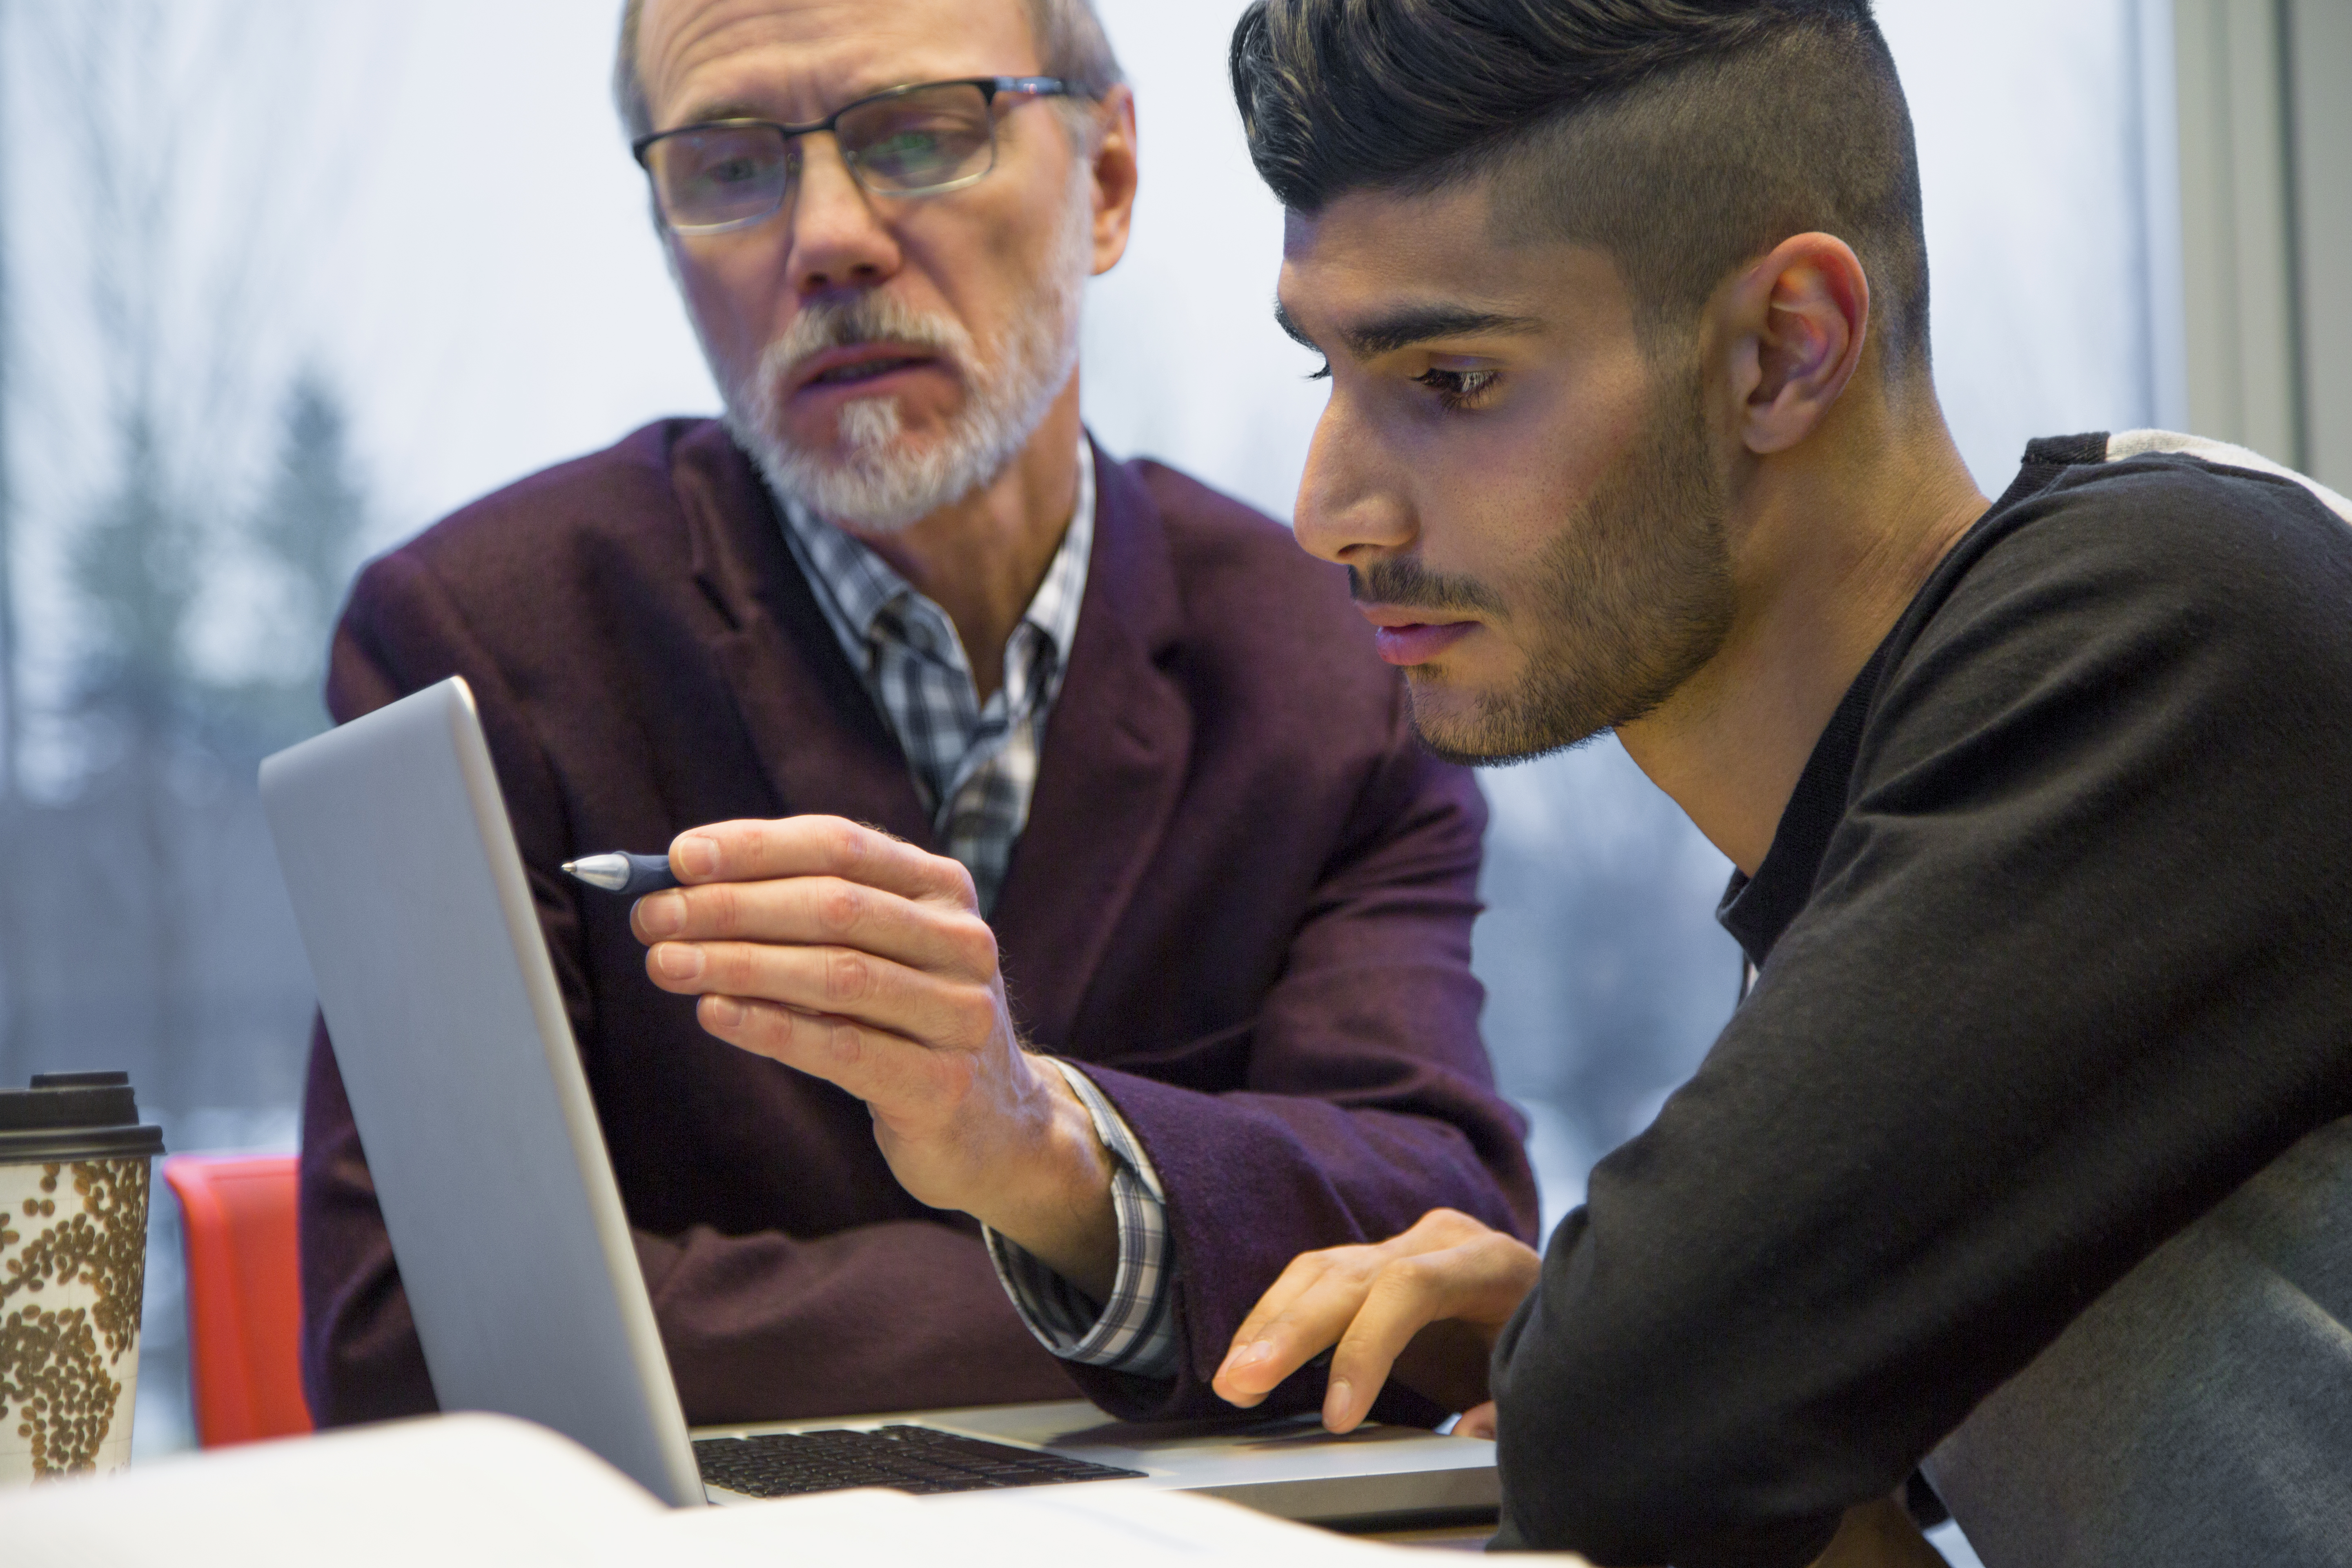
921, 1460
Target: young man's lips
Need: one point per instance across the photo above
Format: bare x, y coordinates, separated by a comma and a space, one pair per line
1418, 642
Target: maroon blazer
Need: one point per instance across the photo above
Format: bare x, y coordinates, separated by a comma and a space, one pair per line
1243, 901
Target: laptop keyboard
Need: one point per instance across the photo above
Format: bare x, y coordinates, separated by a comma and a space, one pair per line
917, 1460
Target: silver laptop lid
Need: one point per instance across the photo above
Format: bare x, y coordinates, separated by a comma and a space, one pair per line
466, 1084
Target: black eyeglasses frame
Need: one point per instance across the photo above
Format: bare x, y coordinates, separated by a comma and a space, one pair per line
989, 87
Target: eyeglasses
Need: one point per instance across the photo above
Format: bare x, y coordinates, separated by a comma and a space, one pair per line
915, 140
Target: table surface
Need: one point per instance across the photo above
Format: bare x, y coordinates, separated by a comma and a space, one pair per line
1454, 1538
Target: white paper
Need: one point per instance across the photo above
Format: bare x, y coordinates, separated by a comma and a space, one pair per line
485, 1491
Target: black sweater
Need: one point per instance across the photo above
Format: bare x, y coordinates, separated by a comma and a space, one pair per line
2054, 954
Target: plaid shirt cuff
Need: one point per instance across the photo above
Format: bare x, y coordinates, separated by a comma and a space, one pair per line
1135, 1332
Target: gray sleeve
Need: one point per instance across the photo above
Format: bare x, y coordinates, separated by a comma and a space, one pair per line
2072, 970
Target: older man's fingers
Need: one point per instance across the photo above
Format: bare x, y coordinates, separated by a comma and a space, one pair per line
751, 850
823, 912
894, 1075
832, 980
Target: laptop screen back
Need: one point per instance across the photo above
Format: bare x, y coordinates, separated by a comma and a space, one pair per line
466, 1085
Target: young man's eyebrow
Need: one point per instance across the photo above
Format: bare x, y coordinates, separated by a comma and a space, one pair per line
1410, 324
1289, 324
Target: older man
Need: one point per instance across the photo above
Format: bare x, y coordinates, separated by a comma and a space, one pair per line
1149, 966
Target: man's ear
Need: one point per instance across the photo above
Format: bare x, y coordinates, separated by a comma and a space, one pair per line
1796, 323
1113, 155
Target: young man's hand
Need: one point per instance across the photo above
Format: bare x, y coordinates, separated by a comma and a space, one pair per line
1427, 1305
861, 960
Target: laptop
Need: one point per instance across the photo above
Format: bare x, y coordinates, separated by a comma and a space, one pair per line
467, 1086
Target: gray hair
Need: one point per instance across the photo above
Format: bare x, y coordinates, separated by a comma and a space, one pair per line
1071, 45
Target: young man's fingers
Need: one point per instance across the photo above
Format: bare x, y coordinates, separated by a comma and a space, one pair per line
751, 850
1434, 1231
1301, 1274
1492, 1274
1433, 1316
1405, 1296
1286, 1330
1446, 1362
1462, 1266
1277, 1343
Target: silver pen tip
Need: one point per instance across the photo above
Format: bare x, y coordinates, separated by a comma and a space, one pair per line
610, 872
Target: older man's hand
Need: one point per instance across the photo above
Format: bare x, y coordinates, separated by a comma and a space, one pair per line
858, 959
1427, 1304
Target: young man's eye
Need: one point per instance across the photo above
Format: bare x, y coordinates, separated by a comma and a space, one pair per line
1320, 372
1458, 388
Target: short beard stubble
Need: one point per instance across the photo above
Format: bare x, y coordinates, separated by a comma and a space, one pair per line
871, 479
1631, 598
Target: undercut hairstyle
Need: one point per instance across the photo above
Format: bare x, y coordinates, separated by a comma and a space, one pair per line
1685, 138
1071, 45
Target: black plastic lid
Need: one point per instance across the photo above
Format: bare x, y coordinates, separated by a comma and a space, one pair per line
74, 1116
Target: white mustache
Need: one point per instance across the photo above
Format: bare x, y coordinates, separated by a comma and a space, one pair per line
868, 319
869, 477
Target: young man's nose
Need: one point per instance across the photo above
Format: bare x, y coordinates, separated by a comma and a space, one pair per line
1351, 505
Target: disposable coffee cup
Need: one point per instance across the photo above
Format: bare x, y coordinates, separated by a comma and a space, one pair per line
74, 1169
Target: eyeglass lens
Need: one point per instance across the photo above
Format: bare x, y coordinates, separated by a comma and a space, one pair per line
719, 176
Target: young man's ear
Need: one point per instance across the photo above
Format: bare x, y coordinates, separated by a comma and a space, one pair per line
1796, 321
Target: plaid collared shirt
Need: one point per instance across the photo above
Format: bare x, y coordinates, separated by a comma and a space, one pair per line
1134, 1331
975, 764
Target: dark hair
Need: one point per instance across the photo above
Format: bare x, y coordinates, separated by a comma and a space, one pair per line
1684, 137
1070, 45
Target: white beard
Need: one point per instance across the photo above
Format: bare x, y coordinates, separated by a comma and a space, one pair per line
873, 483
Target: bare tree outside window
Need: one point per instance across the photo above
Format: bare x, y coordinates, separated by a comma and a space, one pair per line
177, 526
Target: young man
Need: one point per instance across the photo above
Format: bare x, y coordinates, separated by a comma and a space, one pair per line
1168, 935
2026, 1148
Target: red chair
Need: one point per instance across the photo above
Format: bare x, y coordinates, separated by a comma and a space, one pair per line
244, 1296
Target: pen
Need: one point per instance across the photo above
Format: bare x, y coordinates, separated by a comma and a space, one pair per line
620, 872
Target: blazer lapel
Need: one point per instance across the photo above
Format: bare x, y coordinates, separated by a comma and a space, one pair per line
1114, 762
814, 727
